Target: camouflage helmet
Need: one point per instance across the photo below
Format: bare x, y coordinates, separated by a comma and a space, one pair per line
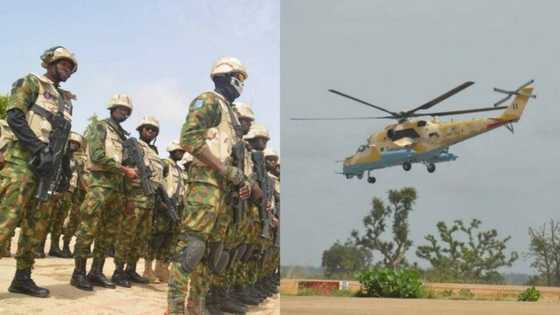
148, 121
269, 152
56, 53
120, 100
244, 110
174, 146
226, 65
76, 137
257, 130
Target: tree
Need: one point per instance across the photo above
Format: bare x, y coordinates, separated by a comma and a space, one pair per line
343, 260
3, 106
477, 259
544, 247
400, 205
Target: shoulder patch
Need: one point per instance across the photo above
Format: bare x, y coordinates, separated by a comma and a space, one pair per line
198, 103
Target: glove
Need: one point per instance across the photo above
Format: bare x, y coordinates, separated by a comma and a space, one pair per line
234, 175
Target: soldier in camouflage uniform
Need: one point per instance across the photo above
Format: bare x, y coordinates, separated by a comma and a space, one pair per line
101, 211
132, 240
64, 204
272, 266
209, 135
165, 232
77, 193
33, 102
220, 298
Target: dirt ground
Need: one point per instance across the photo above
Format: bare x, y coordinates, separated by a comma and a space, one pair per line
315, 305
55, 273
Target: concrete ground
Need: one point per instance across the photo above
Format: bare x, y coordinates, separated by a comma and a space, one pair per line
315, 305
55, 273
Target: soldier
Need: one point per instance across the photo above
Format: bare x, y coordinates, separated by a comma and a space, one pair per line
219, 296
165, 232
34, 103
132, 241
272, 267
101, 211
77, 190
209, 135
65, 202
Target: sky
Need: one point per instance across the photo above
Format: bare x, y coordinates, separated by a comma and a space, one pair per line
399, 55
160, 53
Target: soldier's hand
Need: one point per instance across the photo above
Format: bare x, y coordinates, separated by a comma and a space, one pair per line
129, 172
245, 191
234, 175
257, 193
275, 222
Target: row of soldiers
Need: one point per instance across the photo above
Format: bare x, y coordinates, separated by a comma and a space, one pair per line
211, 209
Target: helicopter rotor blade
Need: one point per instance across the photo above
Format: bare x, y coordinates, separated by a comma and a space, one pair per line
441, 98
361, 101
459, 112
339, 118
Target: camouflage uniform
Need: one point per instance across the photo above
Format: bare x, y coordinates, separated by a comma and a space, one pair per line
33, 95
101, 210
78, 193
205, 200
6, 136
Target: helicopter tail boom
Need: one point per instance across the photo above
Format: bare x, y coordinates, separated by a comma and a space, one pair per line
514, 111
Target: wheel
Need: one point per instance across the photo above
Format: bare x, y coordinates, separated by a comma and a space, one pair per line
406, 166
360, 176
431, 168
371, 180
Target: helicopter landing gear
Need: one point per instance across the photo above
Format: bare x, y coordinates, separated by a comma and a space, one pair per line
370, 178
406, 166
431, 167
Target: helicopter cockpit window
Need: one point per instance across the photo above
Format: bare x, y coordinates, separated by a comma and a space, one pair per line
421, 123
395, 135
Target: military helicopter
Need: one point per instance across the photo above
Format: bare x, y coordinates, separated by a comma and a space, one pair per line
423, 141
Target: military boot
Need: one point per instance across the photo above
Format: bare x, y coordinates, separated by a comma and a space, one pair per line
96, 276
66, 253
213, 301
5, 248
162, 271
55, 251
22, 283
134, 276
230, 305
120, 277
79, 279
148, 272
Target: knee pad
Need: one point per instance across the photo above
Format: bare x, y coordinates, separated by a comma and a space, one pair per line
239, 252
248, 253
221, 263
215, 250
191, 255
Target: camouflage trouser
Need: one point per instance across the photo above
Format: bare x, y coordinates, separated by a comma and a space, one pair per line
246, 271
100, 214
204, 203
73, 221
59, 212
163, 238
132, 241
17, 188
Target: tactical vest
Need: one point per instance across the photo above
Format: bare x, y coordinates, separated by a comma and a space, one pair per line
220, 139
153, 162
77, 167
6, 135
174, 183
49, 101
113, 148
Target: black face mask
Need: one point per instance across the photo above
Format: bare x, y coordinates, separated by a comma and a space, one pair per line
223, 87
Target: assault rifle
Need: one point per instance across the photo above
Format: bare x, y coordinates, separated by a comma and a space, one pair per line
135, 157
239, 205
53, 179
265, 184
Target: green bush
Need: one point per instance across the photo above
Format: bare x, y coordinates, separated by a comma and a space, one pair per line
529, 295
385, 282
465, 294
